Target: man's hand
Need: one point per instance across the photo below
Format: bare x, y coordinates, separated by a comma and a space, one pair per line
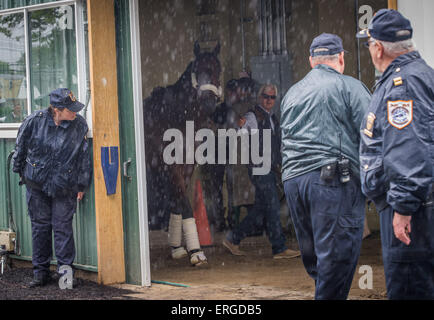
402, 227
80, 196
241, 121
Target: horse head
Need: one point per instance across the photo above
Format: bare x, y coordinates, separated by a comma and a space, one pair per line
205, 78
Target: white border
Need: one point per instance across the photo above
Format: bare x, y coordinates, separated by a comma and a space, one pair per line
27, 53
81, 64
140, 143
38, 6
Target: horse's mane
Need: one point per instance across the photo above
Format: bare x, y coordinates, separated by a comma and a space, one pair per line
185, 77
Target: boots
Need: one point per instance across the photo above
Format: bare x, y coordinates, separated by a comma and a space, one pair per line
39, 280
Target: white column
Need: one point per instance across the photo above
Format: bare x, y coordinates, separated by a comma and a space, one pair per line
420, 15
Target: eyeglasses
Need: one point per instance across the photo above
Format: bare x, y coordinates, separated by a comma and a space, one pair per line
266, 96
368, 43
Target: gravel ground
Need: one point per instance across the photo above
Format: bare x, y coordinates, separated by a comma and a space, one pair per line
14, 286
226, 277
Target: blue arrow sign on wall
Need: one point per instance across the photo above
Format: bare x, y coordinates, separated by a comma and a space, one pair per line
110, 166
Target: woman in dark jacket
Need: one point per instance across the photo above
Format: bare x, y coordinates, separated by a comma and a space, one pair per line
52, 159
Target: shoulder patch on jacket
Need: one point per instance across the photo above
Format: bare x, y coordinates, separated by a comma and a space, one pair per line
400, 113
370, 119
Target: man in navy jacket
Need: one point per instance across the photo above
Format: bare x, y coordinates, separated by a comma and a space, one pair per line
397, 156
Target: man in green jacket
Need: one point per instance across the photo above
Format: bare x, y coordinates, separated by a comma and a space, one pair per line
320, 121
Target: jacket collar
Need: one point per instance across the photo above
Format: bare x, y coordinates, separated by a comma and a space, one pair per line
261, 108
400, 61
64, 124
326, 68
405, 58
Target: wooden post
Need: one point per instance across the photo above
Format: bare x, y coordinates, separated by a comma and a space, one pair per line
104, 93
392, 4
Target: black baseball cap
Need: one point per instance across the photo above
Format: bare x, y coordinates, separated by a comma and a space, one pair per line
64, 98
326, 44
388, 25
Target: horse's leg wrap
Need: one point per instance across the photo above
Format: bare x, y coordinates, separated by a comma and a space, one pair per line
192, 241
175, 236
191, 235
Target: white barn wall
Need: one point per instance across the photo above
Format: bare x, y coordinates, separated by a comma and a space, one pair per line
420, 14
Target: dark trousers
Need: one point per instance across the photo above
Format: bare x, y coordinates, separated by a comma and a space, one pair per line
51, 215
328, 219
409, 269
266, 208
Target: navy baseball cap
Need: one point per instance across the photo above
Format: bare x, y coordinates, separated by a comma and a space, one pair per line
388, 25
326, 44
64, 98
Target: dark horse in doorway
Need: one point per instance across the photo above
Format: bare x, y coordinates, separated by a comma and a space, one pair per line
192, 98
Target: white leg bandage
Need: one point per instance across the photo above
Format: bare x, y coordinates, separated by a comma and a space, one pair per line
175, 236
179, 253
175, 230
190, 233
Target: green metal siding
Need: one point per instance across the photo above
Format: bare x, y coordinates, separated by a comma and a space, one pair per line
85, 229
84, 219
3, 203
17, 197
18, 201
127, 143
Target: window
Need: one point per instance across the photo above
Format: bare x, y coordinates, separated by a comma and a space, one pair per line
53, 58
272, 27
13, 87
42, 47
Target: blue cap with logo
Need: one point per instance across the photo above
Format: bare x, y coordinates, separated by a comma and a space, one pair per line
326, 44
64, 98
388, 25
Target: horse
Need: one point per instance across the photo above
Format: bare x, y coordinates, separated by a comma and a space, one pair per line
193, 97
